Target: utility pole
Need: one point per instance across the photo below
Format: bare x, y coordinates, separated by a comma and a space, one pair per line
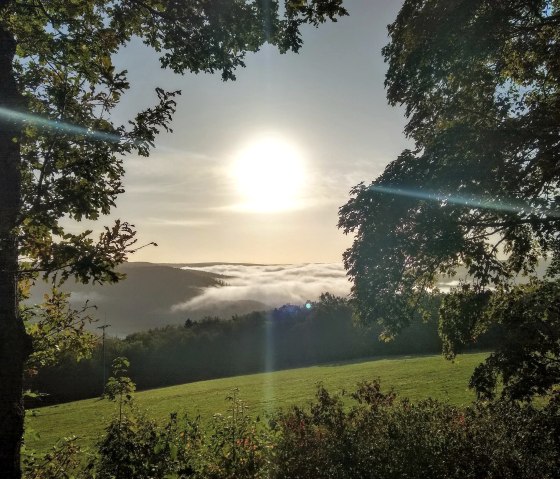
103, 328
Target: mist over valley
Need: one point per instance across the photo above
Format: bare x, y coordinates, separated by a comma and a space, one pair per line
156, 295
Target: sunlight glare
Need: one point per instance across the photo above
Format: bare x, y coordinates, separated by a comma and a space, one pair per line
269, 174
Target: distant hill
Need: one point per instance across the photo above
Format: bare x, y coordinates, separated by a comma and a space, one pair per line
144, 299
213, 263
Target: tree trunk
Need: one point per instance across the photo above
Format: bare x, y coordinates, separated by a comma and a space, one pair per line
14, 342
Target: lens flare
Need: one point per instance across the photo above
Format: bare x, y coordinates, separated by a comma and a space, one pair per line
471, 201
57, 126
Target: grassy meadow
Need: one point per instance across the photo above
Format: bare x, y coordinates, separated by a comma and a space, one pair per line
413, 377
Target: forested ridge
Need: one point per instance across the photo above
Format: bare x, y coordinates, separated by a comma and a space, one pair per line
285, 337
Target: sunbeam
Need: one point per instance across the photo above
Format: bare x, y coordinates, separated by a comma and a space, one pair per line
47, 124
69, 128
471, 201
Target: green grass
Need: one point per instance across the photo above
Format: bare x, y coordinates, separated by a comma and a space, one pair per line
413, 377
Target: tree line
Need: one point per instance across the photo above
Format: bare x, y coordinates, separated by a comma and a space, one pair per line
286, 337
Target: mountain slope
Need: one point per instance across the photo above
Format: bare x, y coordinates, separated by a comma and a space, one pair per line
144, 299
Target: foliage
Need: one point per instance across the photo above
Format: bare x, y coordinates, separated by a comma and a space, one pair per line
57, 331
479, 193
528, 353
133, 444
64, 461
236, 444
389, 438
135, 447
380, 436
139, 447
119, 387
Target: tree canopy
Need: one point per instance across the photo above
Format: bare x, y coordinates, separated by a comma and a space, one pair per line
478, 195
61, 152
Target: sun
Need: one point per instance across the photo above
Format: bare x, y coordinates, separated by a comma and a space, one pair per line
269, 173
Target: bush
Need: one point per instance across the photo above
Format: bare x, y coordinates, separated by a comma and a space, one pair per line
380, 436
64, 461
237, 447
385, 438
134, 447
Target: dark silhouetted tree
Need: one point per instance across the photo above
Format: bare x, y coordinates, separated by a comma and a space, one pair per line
480, 190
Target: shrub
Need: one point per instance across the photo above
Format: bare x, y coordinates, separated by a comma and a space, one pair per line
379, 437
386, 438
64, 461
237, 446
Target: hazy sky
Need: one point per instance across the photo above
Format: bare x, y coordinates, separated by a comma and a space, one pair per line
325, 106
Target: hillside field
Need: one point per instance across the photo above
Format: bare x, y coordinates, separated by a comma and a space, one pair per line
413, 377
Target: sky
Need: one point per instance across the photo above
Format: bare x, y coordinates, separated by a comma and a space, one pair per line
256, 169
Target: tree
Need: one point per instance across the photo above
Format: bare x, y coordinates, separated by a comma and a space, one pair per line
479, 193
61, 153
120, 387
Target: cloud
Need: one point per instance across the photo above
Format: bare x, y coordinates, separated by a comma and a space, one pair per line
297, 204
194, 223
171, 178
276, 285
273, 285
